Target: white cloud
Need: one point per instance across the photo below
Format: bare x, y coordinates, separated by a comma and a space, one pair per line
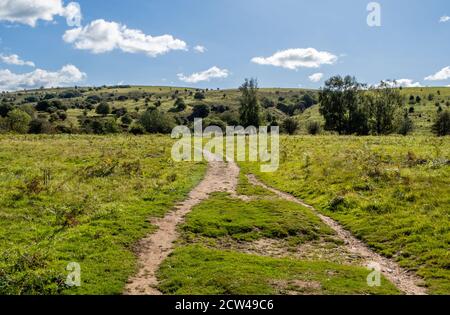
101, 36
30, 11
294, 59
444, 19
15, 60
407, 83
441, 75
316, 77
200, 49
212, 73
402, 83
68, 74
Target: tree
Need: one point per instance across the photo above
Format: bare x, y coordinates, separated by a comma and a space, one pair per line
5, 108
340, 106
18, 121
405, 125
200, 111
290, 125
156, 122
383, 103
441, 126
103, 109
249, 109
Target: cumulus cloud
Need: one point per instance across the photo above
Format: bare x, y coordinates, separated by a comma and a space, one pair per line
316, 77
294, 59
200, 49
441, 75
407, 83
67, 75
101, 36
211, 73
402, 83
15, 60
444, 19
30, 11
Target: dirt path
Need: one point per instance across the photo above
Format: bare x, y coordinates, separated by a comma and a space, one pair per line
220, 177
405, 281
223, 177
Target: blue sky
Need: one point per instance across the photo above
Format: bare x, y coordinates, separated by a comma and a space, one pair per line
325, 37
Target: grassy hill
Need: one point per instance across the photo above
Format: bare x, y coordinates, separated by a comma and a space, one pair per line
277, 104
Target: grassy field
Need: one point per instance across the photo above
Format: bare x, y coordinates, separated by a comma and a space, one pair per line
88, 199
216, 253
82, 199
391, 192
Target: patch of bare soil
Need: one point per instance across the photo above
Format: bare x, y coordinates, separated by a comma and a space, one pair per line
404, 280
320, 250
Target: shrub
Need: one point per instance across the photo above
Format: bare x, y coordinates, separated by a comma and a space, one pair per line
215, 122
406, 126
18, 121
126, 119
136, 129
5, 108
200, 111
313, 128
441, 126
39, 125
179, 105
199, 96
110, 126
156, 122
290, 125
103, 109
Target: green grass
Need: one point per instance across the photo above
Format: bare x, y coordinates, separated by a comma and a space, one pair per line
209, 257
222, 216
197, 270
82, 199
391, 192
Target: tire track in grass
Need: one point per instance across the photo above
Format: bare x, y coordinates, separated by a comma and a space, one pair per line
404, 280
156, 247
223, 177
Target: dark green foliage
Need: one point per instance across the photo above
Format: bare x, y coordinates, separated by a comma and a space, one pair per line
199, 96
340, 106
290, 125
249, 105
136, 129
156, 122
18, 121
200, 111
126, 119
313, 128
103, 109
441, 126
383, 103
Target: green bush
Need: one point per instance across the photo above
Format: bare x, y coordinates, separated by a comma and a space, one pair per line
441, 126
290, 125
156, 122
313, 128
18, 121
